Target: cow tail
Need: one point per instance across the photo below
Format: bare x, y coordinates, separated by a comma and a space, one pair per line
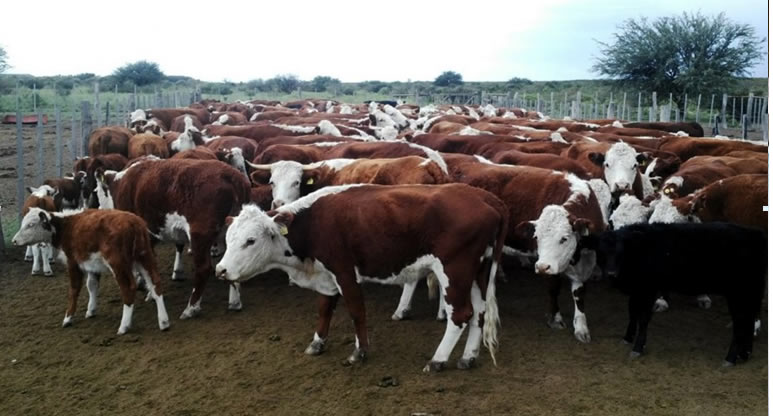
491, 319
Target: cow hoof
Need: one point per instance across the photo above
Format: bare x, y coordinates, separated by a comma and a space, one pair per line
634, 355
48, 273
35, 273
660, 306
28, 259
122, 330
67, 321
465, 363
625, 341
441, 317
190, 312
582, 336
316, 347
163, 325
178, 275
235, 306
91, 314
434, 367
757, 327
704, 302
728, 364
358, 356
400, 315
556, 322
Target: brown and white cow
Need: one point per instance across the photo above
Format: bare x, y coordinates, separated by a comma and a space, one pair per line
40, 253
183, 201
112, 161
687, 147
700, 171
96, 242
325, 246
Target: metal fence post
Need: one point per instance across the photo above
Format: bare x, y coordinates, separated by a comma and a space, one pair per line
697, 111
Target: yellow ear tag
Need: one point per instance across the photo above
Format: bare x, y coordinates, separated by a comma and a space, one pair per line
283, 230
310, 181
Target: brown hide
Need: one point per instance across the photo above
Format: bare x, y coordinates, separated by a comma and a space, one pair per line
147, 144
105, 140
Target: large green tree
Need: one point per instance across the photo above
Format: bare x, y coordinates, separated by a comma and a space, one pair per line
691, 53
285, 83
139, 73
448, 79
3, 60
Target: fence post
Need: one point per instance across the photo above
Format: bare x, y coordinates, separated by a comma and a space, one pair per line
19, 161
654, 111
733, 113
625, 95
665, 114
107, 113
86, 126
58, 140
2, 236
744, 125
97, 112
749, 107
638, 109
39, 136
565, 109
34, 98
697, 111
765, 127
538, 102
73, 145
552, 112
711, 110
684, 117
579, 106
724, 112
715, 127
763, 111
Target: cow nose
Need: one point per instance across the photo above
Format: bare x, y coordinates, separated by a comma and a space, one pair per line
621, 186
14, 242
277, 203
542, 268
220, 272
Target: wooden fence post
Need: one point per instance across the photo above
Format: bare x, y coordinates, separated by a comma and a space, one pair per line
565, 108
654, 110
684, 117
539, 102
750, 108
711, 110
58, 141
39, 143
744, 126
724, 111
73, 145
86, 124
625, 95
733, 113
638, 108
97, 109
579, 106
552, 112
715, 127
697, 111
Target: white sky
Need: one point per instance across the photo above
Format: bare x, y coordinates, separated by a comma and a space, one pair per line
391, 40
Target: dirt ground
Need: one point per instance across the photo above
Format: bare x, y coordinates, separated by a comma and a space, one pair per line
252, 362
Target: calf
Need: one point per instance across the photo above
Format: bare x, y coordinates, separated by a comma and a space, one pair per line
719, 258
40, 253
96, 242
306, 239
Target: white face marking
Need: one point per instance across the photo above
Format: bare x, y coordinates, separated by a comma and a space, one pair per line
237, 160
42, 191
620, 167
556, 240
665, 212
32, 229
630, 211
285, 181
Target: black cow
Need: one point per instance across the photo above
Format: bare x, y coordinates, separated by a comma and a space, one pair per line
714, 258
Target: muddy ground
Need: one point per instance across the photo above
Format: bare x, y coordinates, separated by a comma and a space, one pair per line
252, 362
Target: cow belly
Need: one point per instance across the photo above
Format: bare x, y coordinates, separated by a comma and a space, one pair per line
316, 277
410, 273
176, 229
95, 264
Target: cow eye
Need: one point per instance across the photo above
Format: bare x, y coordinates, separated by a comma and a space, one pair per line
634, 166
562, 240
271, 183
606, 164
250, 241
296, 183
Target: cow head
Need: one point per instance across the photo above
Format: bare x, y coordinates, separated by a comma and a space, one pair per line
630, 211
288, 180
253, 241
620, 165
672, 211
35, 228
104, 180
42, 191
557, 233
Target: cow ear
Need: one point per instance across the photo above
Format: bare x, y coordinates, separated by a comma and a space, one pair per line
525, 229
260, 176
597, 158
644, 158
310, 177
44, 221
31, 189
229, 220
284, 219
581, 226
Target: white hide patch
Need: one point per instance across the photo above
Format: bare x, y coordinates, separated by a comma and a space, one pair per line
577, 186
603, 195
630, 211
617, 124
470, 131
295, 129
176, 228
95, 264
42, 191
388, 133
410, 273
137, 115
677, 181
432, 154
620, 167
328, 128
305, 202
665, 212
557, 137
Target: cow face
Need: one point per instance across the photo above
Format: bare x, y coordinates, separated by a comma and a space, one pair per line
286, 180
254, 241
620, 166
35, 228
557, 233
671, 211
630, 211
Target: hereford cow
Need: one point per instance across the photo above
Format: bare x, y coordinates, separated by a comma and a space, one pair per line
147, 144
309, 239
184, 122
618, 164
692, 128
687, 147
184, 201
112, 139
113, 161
69, 189
719, 258
40, 253
700, 171
96, 242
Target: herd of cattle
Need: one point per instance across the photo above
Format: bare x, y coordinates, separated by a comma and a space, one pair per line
335, 195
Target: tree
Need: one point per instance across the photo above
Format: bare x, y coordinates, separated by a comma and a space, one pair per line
139, 73
690, 53
323, 82
516, 82
3, 60
286, 83
448, 79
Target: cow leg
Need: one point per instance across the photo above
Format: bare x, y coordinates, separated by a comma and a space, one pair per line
128, 286
28, 255
581, 331
92, 284
472, 347
202, 261
661, 303
37, 259
76, 280
45, 255
326, 305
404, 307
153, 284
459, 311
633, 316
234, 297
179, 270
743, 316
352, 293
555, 320
644, 307
704, 301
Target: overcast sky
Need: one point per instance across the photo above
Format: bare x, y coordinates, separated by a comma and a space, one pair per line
391, 40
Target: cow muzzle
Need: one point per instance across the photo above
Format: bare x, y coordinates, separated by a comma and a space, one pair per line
277, 203
542, 268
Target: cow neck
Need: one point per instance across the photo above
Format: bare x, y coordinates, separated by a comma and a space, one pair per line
59, 225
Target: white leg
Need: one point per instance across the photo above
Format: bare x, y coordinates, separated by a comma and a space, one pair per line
757, 327
92, 283
67, 321
441, 306
191, 310
163, 317
317, 345
581, 331
404, 307
234, 297
52, 253
452, 334
28, 254
704, 301
472, 347
579, 274
178, 270
660, 305
37, 259
46, 254
126, 319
